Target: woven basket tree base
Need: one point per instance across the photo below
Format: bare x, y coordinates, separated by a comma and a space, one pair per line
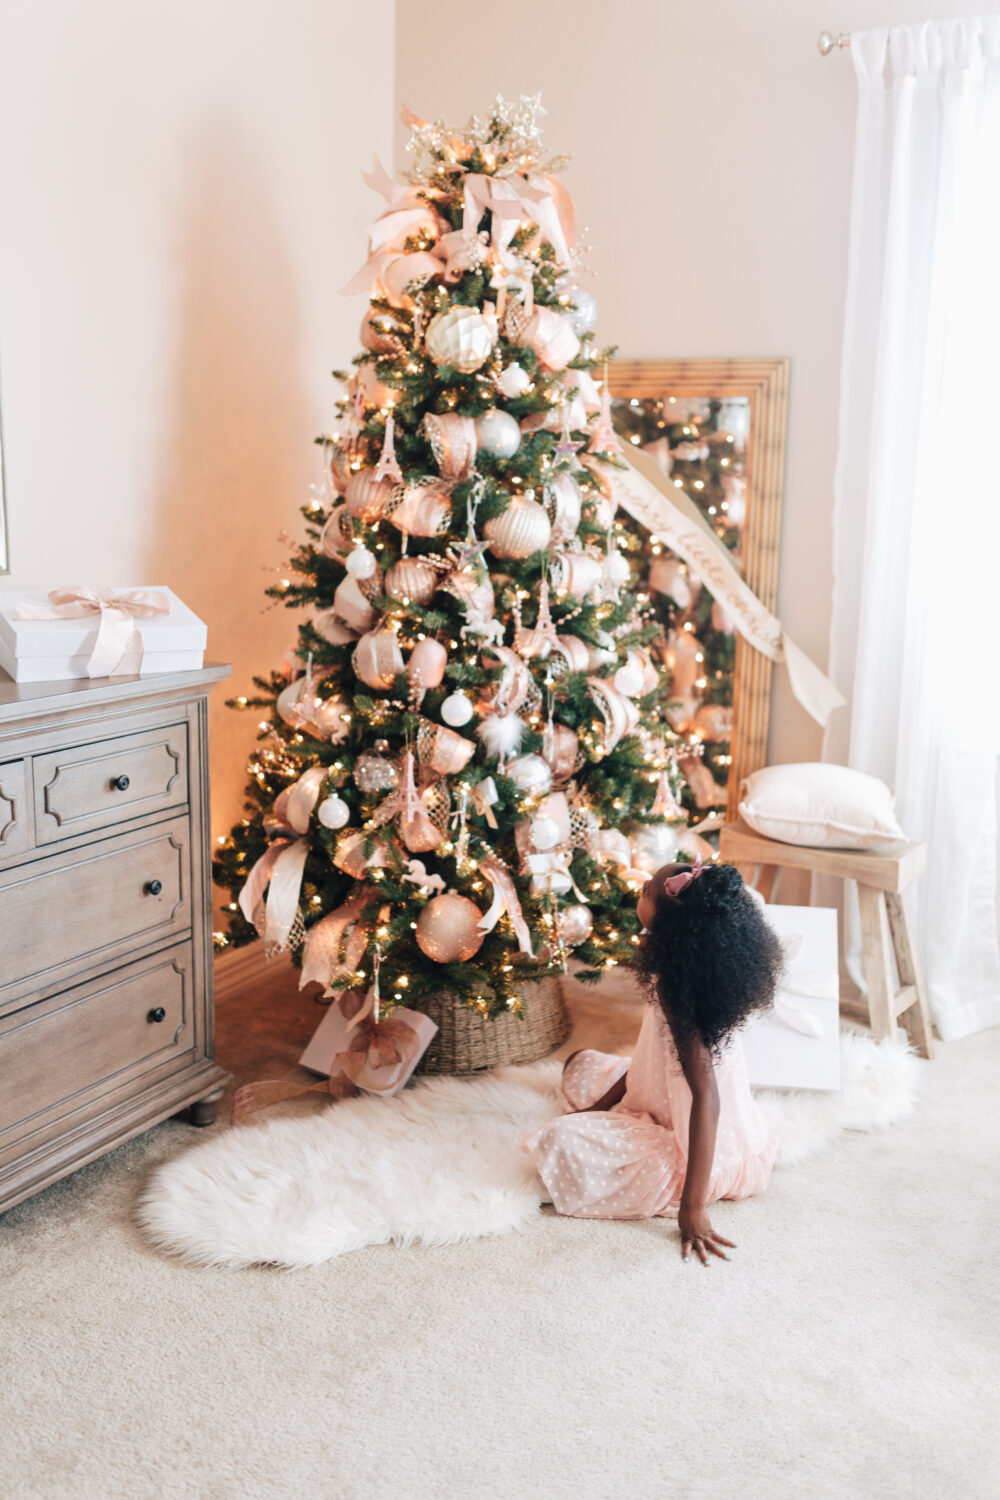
466, 1042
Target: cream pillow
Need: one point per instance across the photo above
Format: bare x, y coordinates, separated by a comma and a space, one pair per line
819, 806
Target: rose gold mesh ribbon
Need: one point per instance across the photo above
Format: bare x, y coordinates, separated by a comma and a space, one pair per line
453, 443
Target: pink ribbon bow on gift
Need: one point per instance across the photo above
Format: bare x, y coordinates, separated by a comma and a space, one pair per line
117, 636
674, 884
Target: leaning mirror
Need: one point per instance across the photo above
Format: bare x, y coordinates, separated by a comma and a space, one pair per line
717, 429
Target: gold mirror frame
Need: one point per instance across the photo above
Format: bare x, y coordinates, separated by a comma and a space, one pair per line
764, 383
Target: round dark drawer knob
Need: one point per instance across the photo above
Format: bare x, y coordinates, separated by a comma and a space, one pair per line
154, 887
159, 1014
120, 783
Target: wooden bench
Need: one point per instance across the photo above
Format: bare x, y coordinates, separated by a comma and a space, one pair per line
882, 876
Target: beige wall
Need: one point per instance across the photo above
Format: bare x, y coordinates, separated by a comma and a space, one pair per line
712, 155
180, 200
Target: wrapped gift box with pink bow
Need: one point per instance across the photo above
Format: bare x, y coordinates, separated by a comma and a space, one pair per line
78, 631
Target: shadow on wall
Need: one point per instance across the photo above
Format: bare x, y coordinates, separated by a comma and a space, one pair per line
234, 468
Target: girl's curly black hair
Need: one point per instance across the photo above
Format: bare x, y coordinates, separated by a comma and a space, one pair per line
709, 957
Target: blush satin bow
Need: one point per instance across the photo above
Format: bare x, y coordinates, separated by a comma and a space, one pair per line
118, 648
674, 884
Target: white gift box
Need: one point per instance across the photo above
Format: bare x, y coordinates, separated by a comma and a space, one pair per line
796, 1044
57, 649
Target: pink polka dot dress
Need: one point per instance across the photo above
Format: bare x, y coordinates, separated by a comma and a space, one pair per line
629, 1162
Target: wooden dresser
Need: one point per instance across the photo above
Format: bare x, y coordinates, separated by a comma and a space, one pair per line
106, 1021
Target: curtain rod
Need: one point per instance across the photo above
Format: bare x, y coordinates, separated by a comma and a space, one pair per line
828, 43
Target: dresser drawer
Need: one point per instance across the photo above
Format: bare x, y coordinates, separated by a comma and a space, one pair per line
15, 824
93, 1039
86, 787
72, 911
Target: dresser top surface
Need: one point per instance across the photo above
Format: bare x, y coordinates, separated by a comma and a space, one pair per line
21, 700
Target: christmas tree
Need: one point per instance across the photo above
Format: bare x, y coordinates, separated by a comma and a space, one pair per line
473, 765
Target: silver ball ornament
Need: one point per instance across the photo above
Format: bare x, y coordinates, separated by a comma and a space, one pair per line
361, 563
497, 432
456, 710
522, 530
576, 923
333, 812
652, 844
373, 773
582, 315
530, 773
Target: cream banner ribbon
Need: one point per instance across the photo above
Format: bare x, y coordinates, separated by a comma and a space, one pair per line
279, 869
118, 648
657, 503
484, 796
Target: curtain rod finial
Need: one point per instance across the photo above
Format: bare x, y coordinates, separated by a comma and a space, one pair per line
827, 42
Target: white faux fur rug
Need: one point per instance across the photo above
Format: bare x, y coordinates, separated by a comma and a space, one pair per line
438, 1164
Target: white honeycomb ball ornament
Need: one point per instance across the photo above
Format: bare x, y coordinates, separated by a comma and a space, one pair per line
460, 337
456, 710
361, 563
513, 381
498, 433
530, 773
333, 812
523, 529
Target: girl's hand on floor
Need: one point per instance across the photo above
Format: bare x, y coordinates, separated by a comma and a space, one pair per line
697, 1233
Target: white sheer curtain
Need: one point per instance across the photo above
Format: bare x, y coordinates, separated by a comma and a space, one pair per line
915, 638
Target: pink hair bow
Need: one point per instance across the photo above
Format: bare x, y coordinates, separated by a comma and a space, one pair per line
674, 884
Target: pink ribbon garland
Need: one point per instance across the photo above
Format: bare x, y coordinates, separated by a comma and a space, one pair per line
504, 900
118, 636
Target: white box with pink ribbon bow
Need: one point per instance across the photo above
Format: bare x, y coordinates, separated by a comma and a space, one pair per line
77, 631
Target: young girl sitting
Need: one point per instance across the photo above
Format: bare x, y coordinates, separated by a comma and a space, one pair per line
674, 1127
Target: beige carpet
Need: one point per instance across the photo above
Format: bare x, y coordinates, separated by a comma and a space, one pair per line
850, 1350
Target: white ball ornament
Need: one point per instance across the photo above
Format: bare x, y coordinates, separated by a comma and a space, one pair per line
513, 381
498, 433
460, 337
530, 773
545, 833
333, 812
456, 710
361, 563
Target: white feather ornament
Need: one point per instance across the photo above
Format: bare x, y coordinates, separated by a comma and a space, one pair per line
500, 734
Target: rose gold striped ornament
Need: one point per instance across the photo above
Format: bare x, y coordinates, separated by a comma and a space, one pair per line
366, 496
422, 510
522, 530
412, 578
377, 658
